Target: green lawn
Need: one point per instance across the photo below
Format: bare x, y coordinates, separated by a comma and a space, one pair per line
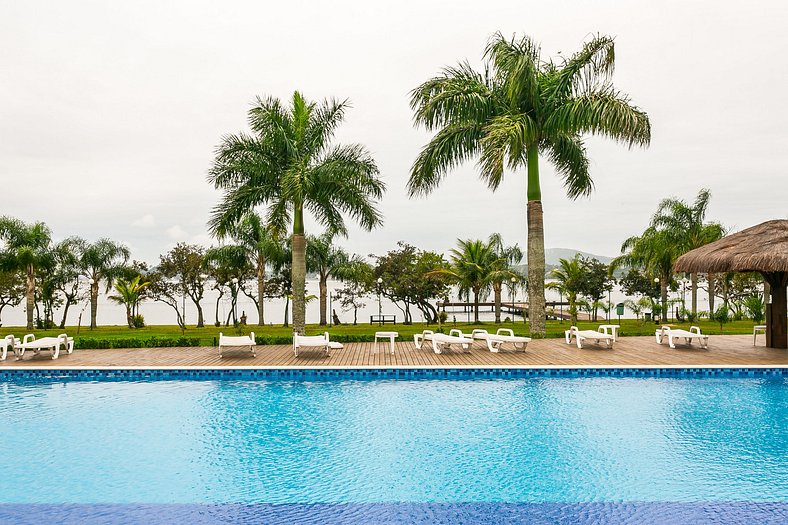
273, 333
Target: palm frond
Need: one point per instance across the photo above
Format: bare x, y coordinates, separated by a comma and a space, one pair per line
569, 156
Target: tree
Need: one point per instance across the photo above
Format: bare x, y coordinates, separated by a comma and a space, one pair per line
65, 273
26, 249
686, 224
409, 277
290, 165
185, 263
129, 294
325, 259
472, 266
519, 107
229, 267
655, 251
253, 235
569, 276
357, 277
12, 289
596, 281
507, 256
102, 260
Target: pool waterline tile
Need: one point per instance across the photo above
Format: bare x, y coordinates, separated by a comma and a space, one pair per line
371, 373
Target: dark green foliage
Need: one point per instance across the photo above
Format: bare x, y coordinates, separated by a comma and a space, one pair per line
83, 343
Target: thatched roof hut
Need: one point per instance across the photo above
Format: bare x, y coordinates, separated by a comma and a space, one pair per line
762, 248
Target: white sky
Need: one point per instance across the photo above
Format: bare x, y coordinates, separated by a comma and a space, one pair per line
110, 111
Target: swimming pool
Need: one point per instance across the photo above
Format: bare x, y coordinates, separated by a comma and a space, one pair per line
343, 449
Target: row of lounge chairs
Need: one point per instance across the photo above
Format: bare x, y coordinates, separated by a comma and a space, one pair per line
30, 343
439, 341
495, 342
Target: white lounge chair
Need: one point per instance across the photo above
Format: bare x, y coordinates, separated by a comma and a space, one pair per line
673, 334
226, 341
441, 341
587, 335
496, 341
52, 344
5, 343
315, 341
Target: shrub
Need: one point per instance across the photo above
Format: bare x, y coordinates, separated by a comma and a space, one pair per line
755, 307
135, 342
138, 321
721, 315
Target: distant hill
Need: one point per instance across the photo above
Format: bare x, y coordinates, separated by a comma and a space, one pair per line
553, 255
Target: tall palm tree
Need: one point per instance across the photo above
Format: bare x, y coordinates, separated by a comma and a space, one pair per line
687, 224
655, 251
325, 259
27, 249
472, 266
103, 260
253, 235
129, 294
507, 257
569, 276
289, 164
519, 107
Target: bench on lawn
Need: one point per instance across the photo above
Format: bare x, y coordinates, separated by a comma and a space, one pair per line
382, 319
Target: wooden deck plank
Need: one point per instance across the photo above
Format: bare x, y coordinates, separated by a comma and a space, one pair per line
732, 350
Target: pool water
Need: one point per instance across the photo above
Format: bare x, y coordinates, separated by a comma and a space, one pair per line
378, 448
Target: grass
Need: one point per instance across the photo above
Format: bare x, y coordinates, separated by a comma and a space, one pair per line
209, 334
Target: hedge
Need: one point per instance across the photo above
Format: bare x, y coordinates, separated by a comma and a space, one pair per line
136, 342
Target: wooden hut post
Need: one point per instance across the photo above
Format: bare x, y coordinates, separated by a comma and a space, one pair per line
777, 310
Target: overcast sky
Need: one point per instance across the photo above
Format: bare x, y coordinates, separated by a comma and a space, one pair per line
110, 111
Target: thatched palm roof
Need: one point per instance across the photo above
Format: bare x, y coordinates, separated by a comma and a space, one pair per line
761, 248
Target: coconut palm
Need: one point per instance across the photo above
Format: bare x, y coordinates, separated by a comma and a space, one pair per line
27, 249
472, 266
324, 258
569, 276
289, 164
103, 260
507, 257
655, 251
255, 237
686, 223
129, 294
519, 107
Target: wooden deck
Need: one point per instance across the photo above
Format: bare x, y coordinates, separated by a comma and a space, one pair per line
732, 350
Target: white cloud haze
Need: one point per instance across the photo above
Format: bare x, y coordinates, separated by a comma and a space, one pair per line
110, 111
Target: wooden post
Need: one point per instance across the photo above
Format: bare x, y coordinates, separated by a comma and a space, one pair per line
777, 311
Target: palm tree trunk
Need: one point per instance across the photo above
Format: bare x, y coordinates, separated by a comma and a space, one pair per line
30, 295
663, 291
323, 298
287, 312
299, 276
536, 301
497, 290
712, 292
694, 279
94, 286
260, 290
476, 306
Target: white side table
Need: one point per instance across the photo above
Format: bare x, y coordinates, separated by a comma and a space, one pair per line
610, 329
386, 335
760, 328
